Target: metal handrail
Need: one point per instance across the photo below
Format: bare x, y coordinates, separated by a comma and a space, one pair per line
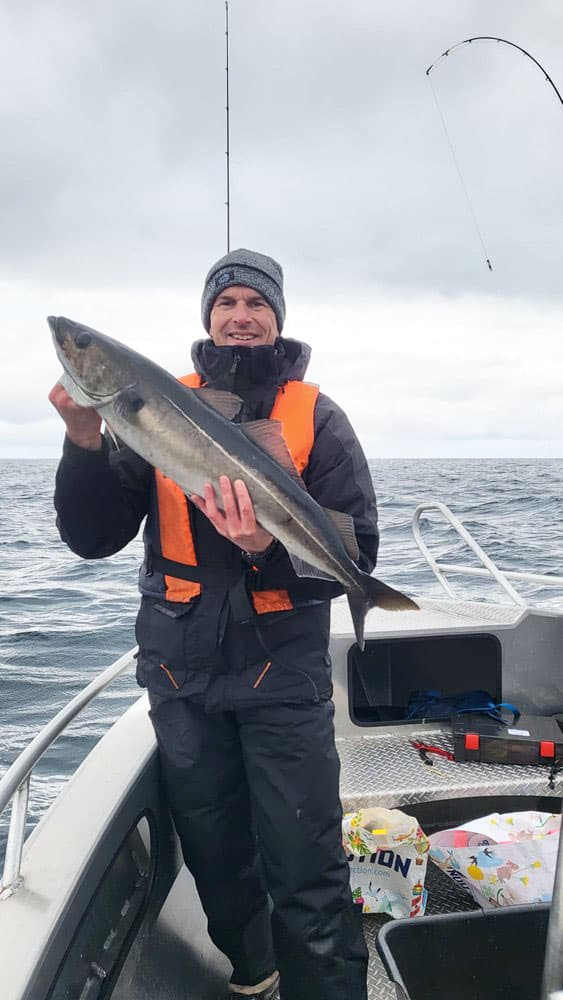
510, 574
490, 568
14, 785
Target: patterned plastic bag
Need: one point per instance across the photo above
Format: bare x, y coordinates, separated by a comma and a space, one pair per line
387, 852
501, 859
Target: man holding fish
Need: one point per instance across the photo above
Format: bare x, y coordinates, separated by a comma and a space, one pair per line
259, 509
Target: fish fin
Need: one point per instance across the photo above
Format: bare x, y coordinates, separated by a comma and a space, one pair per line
225, 403
127, 402
267, 434
305, 569
374, 593
344, 524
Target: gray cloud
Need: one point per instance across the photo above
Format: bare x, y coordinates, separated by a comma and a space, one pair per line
113, 125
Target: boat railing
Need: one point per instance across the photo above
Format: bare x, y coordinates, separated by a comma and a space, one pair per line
14, 785
488, 568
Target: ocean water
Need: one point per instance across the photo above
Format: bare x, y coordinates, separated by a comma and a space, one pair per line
63, 619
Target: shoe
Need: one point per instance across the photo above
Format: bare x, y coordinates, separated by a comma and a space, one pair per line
268, 989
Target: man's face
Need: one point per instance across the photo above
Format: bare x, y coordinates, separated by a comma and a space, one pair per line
241, 315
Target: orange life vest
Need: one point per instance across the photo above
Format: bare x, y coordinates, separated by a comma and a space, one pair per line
294, 407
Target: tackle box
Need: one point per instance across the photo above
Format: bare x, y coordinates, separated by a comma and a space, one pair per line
530, 739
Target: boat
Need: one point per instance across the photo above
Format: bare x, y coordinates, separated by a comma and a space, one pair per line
96, 902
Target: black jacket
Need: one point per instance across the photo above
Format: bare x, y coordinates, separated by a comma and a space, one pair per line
102, 497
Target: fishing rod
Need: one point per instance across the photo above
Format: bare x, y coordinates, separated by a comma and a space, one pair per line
493, 38
228, 137
468, 41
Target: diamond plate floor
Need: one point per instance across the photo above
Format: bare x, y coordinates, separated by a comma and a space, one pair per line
443, 897
386, 770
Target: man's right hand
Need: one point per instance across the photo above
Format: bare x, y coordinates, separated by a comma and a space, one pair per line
83, 425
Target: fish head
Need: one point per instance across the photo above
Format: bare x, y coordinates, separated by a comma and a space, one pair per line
97, 367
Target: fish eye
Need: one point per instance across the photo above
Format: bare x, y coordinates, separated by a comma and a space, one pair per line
82, 339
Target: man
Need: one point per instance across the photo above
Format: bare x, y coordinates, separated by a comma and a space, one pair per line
233, 648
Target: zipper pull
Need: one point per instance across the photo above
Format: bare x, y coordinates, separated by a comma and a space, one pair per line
235, 364
263, 674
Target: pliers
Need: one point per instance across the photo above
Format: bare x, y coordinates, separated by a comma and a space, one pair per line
425, 749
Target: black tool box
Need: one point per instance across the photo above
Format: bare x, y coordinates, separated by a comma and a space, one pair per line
530, 739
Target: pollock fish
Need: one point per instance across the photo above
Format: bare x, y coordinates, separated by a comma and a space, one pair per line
190, 436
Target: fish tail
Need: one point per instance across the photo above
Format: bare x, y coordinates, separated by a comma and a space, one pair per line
373, 593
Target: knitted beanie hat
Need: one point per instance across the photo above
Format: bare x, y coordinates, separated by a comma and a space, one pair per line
248, 268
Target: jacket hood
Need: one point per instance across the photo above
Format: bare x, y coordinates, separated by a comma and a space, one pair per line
275, 363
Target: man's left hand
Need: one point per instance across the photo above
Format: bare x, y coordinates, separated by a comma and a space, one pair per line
237, 520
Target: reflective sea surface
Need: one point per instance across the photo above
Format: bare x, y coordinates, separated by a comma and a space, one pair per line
63, 619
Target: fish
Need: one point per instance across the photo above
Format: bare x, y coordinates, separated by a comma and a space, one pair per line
189, 435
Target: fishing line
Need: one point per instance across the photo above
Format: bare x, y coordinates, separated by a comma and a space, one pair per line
460, 175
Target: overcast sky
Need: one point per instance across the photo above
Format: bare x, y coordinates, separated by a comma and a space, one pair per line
112, 190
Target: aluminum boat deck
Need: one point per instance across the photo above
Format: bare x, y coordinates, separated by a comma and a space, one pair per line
385, 770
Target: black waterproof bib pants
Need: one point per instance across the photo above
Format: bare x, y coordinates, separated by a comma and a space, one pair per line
255, 800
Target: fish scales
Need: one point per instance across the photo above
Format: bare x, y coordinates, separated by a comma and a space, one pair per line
191, 453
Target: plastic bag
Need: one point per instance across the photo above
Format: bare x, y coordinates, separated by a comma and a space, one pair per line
501, 859
388, 853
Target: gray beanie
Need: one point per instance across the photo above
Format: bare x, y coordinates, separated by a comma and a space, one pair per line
248, 268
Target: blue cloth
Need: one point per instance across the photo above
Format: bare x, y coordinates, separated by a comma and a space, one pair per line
435, 705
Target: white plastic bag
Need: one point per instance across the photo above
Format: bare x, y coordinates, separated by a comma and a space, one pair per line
501, 859
387, 852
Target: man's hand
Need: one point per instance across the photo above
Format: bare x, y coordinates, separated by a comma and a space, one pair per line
238, 522
82, 422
